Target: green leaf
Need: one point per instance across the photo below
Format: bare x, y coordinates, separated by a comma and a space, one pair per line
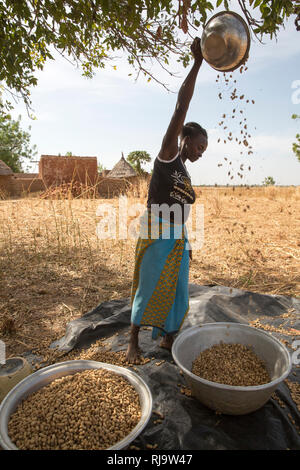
94, 32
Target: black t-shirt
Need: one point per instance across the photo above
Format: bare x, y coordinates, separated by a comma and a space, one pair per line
171, 185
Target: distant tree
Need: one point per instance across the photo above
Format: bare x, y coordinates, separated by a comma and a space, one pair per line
268, 181
14, 143
137, 158
101, 168
67, 154
296, 145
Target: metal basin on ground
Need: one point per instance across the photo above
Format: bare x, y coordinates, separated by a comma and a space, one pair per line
13, 371
228, 399
46, 375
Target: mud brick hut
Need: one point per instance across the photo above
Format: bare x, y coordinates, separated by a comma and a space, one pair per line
6, 179
18, 184
25, 183
119, 180
55, 170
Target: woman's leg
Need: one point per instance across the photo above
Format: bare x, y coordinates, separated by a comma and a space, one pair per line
181, 303
167, 342
133, 351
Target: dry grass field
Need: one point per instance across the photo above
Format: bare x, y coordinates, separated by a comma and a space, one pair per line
54, 268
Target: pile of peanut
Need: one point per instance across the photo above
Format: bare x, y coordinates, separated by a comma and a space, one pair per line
231, 364
89, 410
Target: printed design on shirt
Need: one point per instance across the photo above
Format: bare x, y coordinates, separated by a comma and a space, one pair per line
178, 177
187, 190
183, 191
179, 197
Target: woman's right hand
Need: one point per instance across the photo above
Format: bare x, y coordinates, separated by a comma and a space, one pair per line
196, 50
169, 146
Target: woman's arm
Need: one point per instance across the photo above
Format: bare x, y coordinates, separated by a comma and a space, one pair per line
169, 146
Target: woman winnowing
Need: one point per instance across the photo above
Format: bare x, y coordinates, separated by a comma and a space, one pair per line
159, 296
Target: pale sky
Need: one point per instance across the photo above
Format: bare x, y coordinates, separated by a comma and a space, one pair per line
112, 113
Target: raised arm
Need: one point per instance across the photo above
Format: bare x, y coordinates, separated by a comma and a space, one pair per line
169, 146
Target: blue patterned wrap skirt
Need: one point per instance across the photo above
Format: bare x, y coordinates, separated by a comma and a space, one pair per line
159, 294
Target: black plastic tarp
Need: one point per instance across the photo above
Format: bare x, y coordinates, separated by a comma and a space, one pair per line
186, 423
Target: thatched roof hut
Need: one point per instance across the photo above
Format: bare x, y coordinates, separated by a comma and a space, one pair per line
5, 169
122, 169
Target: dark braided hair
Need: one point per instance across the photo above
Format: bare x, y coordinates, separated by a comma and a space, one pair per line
191, 129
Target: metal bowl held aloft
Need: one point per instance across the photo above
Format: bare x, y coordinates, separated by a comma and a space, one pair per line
225, 41
229, 399
46, 375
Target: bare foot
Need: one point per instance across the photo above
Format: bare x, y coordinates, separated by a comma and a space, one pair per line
133, 351
133, 354
167, 342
